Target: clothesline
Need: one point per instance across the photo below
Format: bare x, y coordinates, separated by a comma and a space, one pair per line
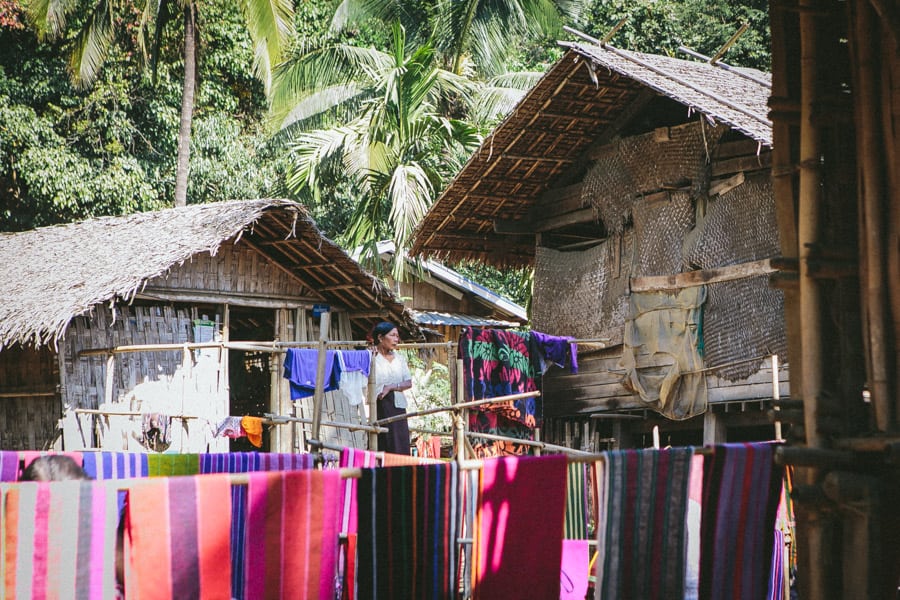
126, 413
271, 419
253, 346
457, 406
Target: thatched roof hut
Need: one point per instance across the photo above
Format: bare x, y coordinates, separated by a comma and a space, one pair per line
582, 101
52, 274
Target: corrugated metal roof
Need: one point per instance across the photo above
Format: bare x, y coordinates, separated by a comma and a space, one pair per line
426, 318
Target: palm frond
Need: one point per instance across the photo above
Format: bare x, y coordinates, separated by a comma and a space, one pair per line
48, 17
311, 151
501, 94
271, 24
323, 67
319, 102
92, 44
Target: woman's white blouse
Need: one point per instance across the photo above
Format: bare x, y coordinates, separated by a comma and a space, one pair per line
391, 372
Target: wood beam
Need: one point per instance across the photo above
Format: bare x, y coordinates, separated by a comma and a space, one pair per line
656, 283
584, 215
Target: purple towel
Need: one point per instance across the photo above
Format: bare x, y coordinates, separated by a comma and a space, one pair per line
300, 368
357, 360
9, 465
555, 350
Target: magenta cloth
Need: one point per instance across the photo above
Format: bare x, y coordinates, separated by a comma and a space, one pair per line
9, 465
556, 350
573, 574
519, 531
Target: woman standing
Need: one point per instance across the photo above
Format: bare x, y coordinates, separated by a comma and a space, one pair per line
392, 377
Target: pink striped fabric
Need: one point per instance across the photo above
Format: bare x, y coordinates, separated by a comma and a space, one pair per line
59, 540
291, 536
351, 457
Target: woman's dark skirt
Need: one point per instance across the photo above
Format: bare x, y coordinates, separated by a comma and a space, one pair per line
396, 440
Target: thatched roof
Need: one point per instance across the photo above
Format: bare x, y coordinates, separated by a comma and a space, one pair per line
587, 92
52, 274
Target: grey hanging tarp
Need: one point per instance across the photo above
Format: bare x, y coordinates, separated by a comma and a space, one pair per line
661, 356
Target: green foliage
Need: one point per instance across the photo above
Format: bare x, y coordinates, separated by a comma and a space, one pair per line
660, 26
512, 284
431, 389
67, 154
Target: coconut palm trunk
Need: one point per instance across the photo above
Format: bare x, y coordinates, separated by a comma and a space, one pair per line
187, 105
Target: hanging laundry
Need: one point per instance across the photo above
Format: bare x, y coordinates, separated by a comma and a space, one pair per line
354, 366
156, 434
167, 465
407, 533
350, 457
115, 465
574, 572
390, 459
253, 427
576, 502
9, 465
230, 427
519, 528
291, 535
177, 532
60, 540
499, 363
300, 365
741, 488
642, 534
556, 350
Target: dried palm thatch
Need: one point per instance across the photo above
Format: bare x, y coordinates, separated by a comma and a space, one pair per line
52, 274
585, 94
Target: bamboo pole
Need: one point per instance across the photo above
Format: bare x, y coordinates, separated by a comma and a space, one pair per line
319, 394
811, 519
471, 403
282, 420
871, 192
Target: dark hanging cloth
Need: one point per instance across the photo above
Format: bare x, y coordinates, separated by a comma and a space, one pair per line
396, 440
407, 532
741, 490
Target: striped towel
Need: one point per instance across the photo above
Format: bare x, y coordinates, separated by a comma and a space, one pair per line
642, 529
519, 528
167, 465
60, 540
243, 462
115, 465
407, 532
390, 459
177, 536
291, 535
576, 502
351, 457
741, 488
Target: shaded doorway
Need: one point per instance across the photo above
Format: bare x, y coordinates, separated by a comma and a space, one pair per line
250, 373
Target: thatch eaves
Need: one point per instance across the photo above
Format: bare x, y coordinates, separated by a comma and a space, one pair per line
52, 274
587, 93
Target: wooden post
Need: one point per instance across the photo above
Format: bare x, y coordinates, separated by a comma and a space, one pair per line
372, 399
110, 378
776, 394
319, 395
714, 430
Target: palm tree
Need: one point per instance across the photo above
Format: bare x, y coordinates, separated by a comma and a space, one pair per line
396, 151
270, 24
473, 35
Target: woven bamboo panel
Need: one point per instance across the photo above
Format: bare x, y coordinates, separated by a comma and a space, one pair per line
745, 318
28, 423
660, 225
582, 294
648, 163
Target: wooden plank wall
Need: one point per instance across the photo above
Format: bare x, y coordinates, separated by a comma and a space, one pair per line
598, 386
29, 400
235, 269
